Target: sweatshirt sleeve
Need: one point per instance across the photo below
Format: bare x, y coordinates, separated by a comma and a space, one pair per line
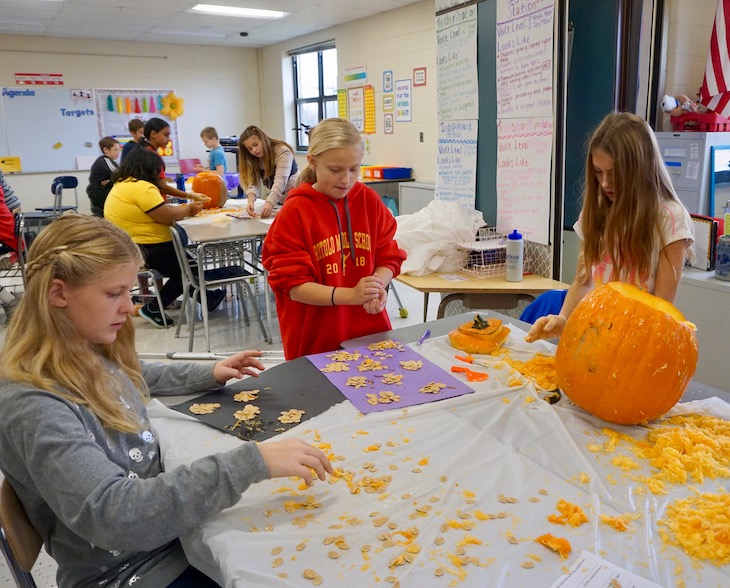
286, 255
172, 379
65, 460
284, 161
11, 198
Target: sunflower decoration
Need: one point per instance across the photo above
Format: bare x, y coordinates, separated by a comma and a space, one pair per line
172, 106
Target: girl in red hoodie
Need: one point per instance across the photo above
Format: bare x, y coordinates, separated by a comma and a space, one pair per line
330, 252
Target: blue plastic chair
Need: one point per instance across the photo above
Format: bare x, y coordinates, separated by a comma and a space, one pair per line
59, 184
549, 302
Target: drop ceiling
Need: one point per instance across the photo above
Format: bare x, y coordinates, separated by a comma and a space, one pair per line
169, 21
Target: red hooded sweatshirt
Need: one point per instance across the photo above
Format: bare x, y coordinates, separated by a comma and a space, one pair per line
7, 224
333, 242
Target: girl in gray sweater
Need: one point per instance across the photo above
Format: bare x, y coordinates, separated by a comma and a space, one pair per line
75, 440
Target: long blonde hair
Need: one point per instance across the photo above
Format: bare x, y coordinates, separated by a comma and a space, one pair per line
44, 349
249, 166
331, 133
626, 228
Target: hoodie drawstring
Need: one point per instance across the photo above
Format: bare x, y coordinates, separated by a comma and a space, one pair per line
350, 234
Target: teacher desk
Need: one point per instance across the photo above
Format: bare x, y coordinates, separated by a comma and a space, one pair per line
447, 493
479, 292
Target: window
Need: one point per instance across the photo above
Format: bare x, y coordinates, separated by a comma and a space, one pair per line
315, 88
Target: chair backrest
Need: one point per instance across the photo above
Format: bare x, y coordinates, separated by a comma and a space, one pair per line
67, 182
57, 187
24, 541
187, 166
183, 259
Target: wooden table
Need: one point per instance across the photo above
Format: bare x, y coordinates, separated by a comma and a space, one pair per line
479, 292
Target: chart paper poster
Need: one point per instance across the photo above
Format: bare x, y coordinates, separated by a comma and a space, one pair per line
356, 107
524, 156
524, 58
403, 101
457, 162
456, 64
355, 76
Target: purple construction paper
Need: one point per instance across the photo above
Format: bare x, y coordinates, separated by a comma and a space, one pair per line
408, 390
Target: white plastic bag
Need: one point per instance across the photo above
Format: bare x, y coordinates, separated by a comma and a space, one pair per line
429, 237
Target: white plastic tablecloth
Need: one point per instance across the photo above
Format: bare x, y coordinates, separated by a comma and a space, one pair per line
478, 445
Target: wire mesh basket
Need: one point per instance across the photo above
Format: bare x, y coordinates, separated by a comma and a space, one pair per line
487, 253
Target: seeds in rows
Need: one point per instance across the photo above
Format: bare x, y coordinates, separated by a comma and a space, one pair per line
411, 365
336, 366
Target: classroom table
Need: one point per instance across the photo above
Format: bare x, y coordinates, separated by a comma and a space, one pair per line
476, 475
210, 230
479, 292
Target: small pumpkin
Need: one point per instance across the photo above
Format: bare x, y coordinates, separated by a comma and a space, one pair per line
213, 186
479, 336
625, 356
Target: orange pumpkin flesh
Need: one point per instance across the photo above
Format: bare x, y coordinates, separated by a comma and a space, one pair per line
479, 336
213, 186
625, 356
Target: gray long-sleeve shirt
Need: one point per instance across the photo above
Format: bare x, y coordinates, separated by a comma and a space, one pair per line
107, 512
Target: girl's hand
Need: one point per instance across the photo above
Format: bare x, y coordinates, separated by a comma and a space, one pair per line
195, 207
367, 289
238, 366
546, 327
198, 197
266, 211
377, 305
249, 207
199, 167
294, 457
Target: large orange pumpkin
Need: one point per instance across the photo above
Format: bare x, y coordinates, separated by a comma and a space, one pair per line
625, 355
213, 186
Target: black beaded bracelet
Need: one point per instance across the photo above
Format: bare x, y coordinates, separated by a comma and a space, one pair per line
332, 298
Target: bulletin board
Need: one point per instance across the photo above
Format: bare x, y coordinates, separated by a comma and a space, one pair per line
49, 128
116, 107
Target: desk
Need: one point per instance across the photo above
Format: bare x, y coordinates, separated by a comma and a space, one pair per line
219, 229
447, 464
479, 292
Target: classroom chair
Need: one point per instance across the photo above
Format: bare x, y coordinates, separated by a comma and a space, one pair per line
19, 541
149, 280
225, 268
59, 184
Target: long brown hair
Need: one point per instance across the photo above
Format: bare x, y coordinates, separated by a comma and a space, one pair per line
250, 167
625, 229
331, 133
43, 348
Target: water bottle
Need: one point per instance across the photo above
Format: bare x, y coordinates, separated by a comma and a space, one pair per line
514, 256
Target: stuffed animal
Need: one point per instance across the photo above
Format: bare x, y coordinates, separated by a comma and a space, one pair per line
679, 105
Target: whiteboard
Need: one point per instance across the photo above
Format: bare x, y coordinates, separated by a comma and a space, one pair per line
48, 128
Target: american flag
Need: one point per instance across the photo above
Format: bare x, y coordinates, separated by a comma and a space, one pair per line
715, 92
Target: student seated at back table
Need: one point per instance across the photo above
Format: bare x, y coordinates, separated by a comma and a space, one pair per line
101, 173
90, 478
136, 205
216, 155
136, 129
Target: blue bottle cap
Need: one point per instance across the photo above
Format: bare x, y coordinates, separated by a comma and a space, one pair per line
514, 235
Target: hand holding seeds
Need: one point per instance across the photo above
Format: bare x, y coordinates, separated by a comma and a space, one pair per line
237, 366
294, 457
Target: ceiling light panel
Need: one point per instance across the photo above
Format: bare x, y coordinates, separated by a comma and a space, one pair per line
237, 11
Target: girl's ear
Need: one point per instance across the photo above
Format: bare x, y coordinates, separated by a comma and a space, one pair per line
311, 161
58, 293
